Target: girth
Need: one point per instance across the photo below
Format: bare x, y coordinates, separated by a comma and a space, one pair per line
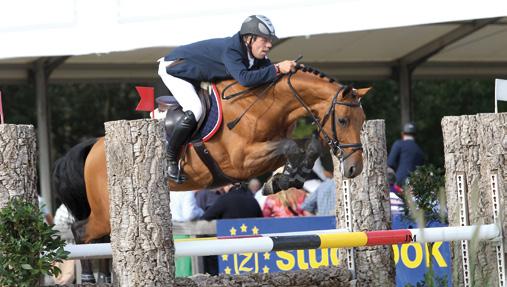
219, 178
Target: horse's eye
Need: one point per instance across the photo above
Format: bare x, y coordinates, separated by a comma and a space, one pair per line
343, 122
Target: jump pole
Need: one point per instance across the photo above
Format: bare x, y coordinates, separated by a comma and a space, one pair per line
222, 246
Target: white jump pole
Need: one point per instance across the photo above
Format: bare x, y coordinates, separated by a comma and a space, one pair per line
205, 247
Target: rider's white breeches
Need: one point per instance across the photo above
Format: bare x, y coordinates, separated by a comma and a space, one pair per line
183, 91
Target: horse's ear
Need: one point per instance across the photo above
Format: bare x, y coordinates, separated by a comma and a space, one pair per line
361, 92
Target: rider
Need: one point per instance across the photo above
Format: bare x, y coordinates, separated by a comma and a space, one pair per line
242, 57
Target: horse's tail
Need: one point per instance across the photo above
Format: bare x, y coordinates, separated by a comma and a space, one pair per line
68, 179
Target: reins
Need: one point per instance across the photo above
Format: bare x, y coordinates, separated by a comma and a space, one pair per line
233, 123
333, 141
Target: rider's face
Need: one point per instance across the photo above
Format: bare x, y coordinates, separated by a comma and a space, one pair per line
261, 47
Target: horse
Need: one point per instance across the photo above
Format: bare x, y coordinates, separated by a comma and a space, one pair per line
255, 141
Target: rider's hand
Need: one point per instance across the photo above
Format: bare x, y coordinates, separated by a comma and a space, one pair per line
286, 66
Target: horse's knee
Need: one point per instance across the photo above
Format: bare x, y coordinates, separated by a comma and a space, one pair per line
280, 181
313, 149
290, 147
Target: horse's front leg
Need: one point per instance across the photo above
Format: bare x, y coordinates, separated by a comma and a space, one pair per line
297, 170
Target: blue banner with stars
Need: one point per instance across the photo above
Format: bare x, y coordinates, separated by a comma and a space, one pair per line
411, 260
279, 260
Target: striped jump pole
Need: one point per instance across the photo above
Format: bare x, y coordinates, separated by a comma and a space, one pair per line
231, 245
335, 240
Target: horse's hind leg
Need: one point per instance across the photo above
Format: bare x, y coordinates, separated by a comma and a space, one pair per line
95, 174
87, 272
79, 230
104, 270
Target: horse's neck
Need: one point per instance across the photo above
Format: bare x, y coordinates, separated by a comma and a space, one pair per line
304, 99
277, 105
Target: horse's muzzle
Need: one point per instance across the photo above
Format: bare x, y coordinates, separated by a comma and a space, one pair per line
352, 166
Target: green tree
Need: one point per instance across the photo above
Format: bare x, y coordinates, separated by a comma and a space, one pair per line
28, 246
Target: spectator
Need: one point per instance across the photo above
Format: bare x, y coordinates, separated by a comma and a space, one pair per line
286, 203
184, 206
316, 178
63, 221
254, 185
405, 155
322, 201
236, 202
206, 198
48, 217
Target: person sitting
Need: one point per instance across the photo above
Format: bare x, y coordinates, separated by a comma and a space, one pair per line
184, 206
322, 202
286, 203
242, 57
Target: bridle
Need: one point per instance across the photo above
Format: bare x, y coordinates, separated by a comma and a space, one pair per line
334, 143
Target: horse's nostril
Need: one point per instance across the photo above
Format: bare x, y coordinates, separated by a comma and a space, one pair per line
352, 169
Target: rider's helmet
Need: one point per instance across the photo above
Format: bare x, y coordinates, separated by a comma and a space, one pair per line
409, 128
258, 25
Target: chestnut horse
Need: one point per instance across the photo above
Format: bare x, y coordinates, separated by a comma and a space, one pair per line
257, 144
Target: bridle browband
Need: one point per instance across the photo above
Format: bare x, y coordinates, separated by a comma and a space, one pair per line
334, 143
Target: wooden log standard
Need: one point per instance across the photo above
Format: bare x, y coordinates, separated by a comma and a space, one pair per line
141, 230
363, 204
18, 161
475, 162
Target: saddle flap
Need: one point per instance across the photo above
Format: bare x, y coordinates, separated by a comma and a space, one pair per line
208, 124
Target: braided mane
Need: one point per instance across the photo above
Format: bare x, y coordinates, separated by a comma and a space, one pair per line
315, 71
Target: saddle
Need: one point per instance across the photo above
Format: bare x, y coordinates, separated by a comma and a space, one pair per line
208, 125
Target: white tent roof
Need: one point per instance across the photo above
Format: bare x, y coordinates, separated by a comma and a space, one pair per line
359, 55
120, 40
77, 27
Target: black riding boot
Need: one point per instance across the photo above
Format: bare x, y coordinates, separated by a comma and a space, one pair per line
182, 132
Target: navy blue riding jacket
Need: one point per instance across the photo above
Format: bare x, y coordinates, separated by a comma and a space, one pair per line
219, 59
404, 157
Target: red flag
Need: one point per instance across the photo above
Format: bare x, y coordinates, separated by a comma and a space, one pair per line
147, 102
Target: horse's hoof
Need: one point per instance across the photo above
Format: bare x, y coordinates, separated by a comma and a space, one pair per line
267, 189
271, 186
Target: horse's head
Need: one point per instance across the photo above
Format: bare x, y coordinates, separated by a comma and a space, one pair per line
348, 119
337, 114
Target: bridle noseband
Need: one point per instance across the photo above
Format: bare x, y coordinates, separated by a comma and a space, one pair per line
333, 142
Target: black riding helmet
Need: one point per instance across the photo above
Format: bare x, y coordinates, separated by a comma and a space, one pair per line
258, 25
409, 128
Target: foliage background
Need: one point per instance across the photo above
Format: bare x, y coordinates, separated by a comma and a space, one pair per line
79, 110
